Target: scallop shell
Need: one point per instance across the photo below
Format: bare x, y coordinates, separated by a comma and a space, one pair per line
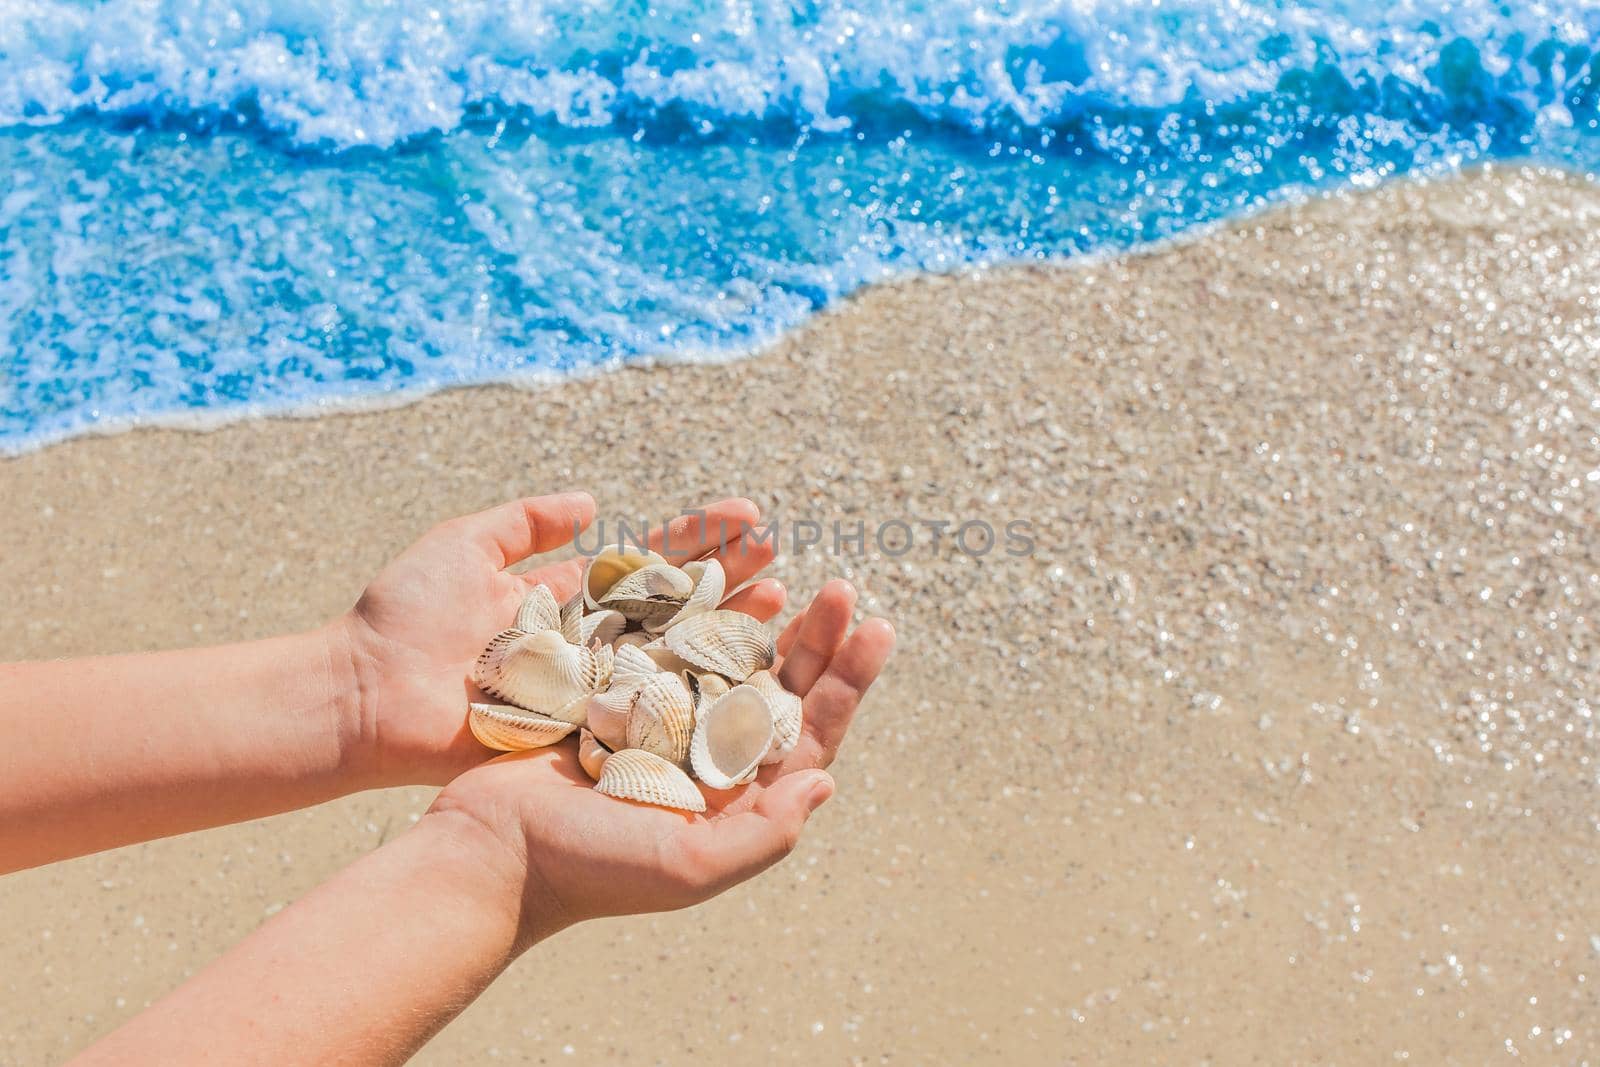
539, 611
605, 569
541, 672
731, 738
607, 715
728, 642
592, 754
634, 774
788, 714
510, 729
662, 718
710, 582
604, 626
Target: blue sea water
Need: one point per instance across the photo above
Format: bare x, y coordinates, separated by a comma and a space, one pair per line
210, 208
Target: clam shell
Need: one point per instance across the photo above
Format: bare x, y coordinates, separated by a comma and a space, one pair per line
539, 611
705, 686
604, 626
662, 718
631, 664
788, 714
605, 569
656, 581
607, 715
637, 639
541, 672
732, 736
710, 582
572, 620
510, 729
592, 754
634, 774
728, 642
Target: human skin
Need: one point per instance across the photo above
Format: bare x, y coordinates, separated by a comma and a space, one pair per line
105, 751
370, 965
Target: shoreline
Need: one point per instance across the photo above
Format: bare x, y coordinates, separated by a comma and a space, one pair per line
1276, 748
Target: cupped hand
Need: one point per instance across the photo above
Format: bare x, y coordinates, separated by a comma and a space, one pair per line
582, 854
419, 626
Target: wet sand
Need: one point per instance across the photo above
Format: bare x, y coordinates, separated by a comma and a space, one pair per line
1278, 747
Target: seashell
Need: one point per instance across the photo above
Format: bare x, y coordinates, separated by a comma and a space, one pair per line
539, 611
607, 715
605, 569
710, 582
632, 665
637, 639
733, 735
592, 754
645, 612
510, 729
662, 718
666, 660
728, 642
634, 774
541, 672
788, 714
572, 620
604, 626
657, 581
705, 686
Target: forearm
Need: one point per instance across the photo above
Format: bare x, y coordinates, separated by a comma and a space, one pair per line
361, 971
109, 750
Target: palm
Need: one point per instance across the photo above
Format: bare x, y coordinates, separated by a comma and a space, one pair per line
594, 855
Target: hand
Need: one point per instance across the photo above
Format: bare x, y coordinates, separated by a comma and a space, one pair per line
579, 854
418, 628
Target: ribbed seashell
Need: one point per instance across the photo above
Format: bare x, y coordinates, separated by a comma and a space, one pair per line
607, 715
665, 659
731, 737
637, 639
728, 642
510, 729
710, 582
592, 754
572, 619
631, 664
634, 774
539, 611
604, 626
656, 581
788, 714
647, 613
541, 672
662, 718
605, 569
705, 686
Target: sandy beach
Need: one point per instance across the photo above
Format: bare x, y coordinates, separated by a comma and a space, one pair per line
1279, 746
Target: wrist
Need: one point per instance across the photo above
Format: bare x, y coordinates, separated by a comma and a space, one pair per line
500, 870
351, 702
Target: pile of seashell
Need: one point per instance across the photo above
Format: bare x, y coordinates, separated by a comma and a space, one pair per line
660, 682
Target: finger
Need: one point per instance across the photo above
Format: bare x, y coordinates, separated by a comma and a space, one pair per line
761, 601
562, 578
740, 847
833, 700
519, 528
746, 555
786, 638
695, 533
827, 620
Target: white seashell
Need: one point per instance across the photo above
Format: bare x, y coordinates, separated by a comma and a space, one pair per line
731, 737
632, 665
662, 718
788, 714
592, 754
541, 672
637, 639
607, 568
539, 611
634, 774
657, 581
728, 642
510, 729
666, 660
604, 626
710, 582
572, 620
705, 686
607, 715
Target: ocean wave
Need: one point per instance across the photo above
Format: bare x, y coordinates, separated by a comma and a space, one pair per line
337, 76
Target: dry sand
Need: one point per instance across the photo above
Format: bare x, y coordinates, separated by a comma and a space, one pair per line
1280, 747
